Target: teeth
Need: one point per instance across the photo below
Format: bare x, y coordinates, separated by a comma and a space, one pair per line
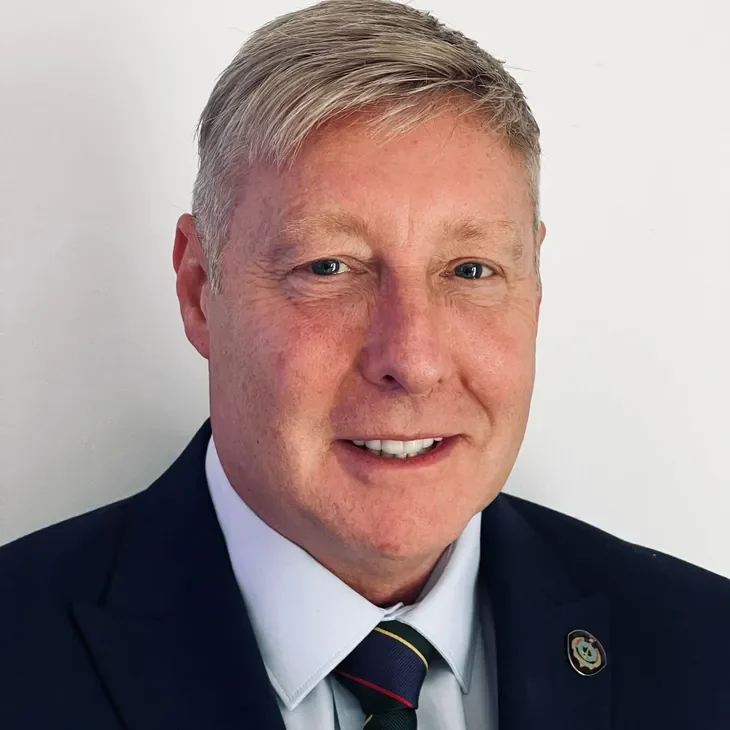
389, 449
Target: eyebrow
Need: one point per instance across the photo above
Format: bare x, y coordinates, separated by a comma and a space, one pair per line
462, 230
348, 223
466, 230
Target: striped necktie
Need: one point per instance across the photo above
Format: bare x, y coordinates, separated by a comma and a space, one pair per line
385, 672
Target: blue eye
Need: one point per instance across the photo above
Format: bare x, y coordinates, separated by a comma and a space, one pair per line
473, 270
328, 267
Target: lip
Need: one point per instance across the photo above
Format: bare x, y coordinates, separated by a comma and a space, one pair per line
361, 460
401, 437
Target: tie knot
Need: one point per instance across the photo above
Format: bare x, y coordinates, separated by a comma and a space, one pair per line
387, 669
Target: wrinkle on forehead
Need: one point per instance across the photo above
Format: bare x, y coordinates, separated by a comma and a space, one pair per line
459, 230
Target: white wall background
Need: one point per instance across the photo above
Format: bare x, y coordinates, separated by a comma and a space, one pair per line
100, 388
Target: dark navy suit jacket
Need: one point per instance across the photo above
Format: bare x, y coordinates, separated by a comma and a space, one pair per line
130, 617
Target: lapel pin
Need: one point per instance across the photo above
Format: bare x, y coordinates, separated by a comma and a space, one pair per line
586, 654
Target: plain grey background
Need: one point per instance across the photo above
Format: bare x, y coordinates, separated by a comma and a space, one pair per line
101, 390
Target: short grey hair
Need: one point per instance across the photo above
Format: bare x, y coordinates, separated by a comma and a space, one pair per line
336, 57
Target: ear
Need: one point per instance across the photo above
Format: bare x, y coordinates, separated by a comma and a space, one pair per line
538, 242
541, 234
193, 288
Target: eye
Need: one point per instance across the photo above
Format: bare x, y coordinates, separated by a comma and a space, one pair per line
328, 267
473, 270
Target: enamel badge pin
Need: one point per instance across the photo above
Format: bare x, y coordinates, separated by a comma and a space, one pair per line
586, 654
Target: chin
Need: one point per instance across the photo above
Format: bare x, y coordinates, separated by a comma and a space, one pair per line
415, 535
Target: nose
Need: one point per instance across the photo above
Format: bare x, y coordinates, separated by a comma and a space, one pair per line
405, 346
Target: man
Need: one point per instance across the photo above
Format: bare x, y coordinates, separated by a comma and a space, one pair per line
332, 550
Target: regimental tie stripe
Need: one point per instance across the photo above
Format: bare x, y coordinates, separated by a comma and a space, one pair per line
384, 691
386, 670
405, 643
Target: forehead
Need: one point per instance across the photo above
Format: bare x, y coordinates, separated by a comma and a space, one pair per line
446, 177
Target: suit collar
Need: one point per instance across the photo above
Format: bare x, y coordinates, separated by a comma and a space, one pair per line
172, 640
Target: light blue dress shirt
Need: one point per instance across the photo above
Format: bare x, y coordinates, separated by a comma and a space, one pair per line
306, 620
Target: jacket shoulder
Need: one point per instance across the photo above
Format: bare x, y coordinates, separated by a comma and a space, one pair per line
625, 568
62, 558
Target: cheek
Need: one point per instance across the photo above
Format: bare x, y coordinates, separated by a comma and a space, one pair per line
276, 372
304, 353
496, 355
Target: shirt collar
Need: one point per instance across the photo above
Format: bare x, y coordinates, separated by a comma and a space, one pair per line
306, 620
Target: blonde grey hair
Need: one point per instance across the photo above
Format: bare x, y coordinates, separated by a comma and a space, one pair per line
339, 56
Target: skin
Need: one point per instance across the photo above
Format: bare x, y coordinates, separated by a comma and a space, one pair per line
401, 344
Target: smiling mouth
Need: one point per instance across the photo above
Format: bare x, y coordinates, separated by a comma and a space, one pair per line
387, 449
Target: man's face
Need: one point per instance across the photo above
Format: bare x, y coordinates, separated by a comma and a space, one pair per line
376, 292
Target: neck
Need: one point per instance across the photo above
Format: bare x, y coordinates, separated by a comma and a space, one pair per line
381, 587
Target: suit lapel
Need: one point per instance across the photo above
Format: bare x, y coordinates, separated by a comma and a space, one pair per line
169, 634
536, 602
